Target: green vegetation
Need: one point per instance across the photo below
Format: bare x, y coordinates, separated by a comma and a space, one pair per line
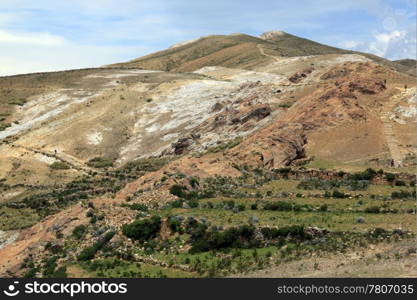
226, 225
3, 126
17, 218
100, 162
321, 184
143, 230
136, 206
19, 101
112, 268
79, 231
59, 165
224, 146
90, 252
235, 237
285, 105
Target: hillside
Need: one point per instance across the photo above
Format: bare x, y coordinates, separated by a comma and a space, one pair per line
240, 51
210, 135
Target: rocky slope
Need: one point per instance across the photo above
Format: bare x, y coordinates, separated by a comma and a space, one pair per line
209, 106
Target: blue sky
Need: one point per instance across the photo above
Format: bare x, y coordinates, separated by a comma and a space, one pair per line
46, 35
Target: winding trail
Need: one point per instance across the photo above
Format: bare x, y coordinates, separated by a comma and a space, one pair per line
262, 50
65, 158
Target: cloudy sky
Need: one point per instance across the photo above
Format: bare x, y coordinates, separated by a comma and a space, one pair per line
46, 35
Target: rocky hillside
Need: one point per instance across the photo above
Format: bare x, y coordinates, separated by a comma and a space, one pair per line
215, 106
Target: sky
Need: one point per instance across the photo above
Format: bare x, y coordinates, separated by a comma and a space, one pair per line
49, 35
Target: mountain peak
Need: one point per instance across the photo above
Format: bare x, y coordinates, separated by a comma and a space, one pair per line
272, 34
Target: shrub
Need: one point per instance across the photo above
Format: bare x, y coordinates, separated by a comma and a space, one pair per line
372, 209
241, 207
368, 174
337, 194
100, 162
323, 207
194, 182
174, 224
390, 177
145, 165
59, 165
79, 231
400, 183
178, 190
378, 232
235, 237
138, 206
296, 231
143, 230
50, 266
403, 195
278, 206
89, 252
31, 273
192, 203
60, 272
3, 126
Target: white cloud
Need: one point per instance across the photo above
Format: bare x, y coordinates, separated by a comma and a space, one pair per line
24, 55
384, 41
395, 44
30, 38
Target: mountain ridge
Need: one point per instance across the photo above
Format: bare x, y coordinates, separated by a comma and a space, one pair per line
222, 129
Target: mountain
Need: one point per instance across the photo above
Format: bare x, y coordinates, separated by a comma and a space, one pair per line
407, 62
239, 51
220, 118
234, 51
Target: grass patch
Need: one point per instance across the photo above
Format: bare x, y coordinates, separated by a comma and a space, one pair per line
100, 162
59, 165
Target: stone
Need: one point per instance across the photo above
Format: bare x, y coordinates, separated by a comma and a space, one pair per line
185, 205
360, 220
253, 220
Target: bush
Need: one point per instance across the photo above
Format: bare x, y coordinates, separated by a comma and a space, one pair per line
235, 237
373, 209
90, 252
241, 207
323, 207
403, 195
3, 126
79, 231
319, 184
31, 273
178, 190
194, 182
50, 266
174, 224
138, 206
400, 183
100, 162
390, 177
143, 230
296, 231
278, 206
87, 254
59, 165
368, 174
337, 194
